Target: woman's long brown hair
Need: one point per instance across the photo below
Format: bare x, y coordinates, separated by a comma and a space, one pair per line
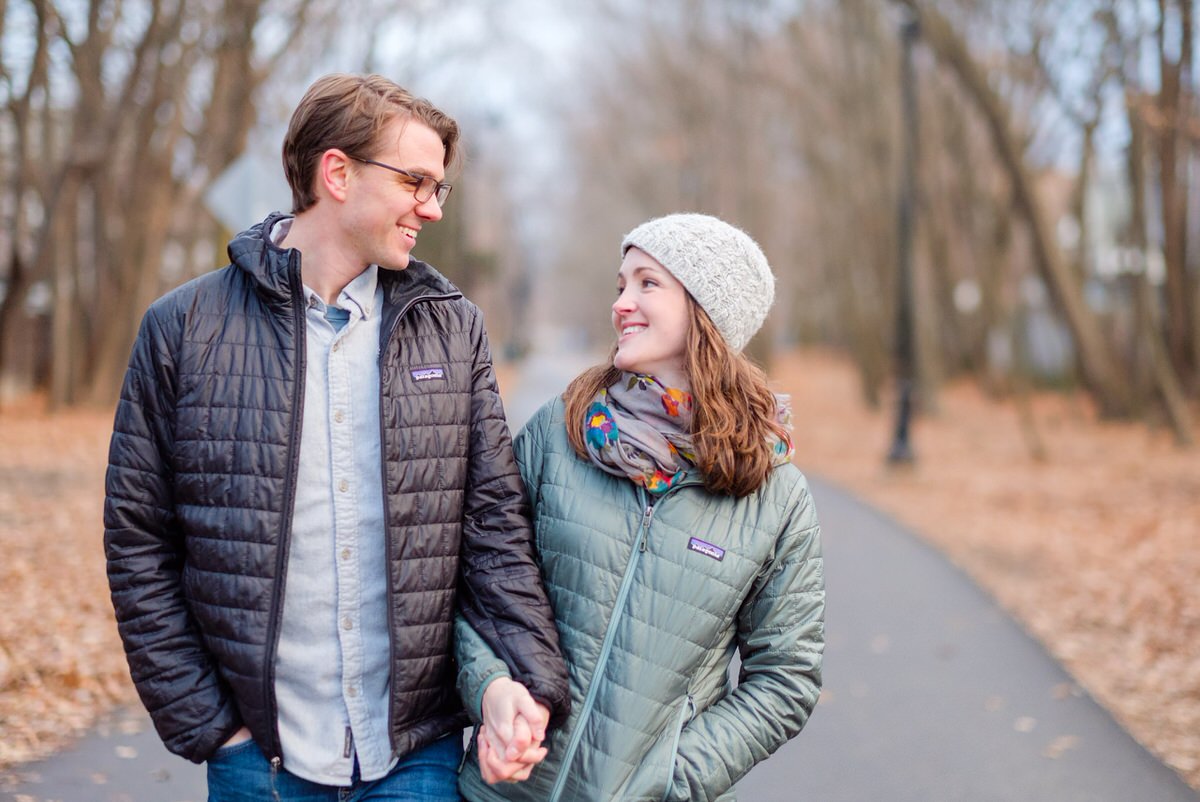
734, 426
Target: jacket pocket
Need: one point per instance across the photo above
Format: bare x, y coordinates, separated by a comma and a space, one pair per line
686, 711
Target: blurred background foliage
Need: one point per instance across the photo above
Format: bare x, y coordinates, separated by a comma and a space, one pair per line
1055, 219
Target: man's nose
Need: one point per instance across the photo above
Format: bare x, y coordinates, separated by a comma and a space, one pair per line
430, 210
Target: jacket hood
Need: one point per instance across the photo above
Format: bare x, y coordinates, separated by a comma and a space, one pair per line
270, 268
267, 264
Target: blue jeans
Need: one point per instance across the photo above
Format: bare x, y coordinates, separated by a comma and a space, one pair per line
242, 773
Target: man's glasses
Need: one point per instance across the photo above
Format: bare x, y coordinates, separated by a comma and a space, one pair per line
424, 186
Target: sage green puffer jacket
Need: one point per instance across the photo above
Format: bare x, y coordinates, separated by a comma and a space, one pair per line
651, 602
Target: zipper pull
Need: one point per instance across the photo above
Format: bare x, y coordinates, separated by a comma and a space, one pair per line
276, 764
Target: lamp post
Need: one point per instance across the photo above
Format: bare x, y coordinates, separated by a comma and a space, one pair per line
905, 355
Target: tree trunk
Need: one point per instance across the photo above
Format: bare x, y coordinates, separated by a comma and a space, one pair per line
1165, 377
11, 323
22, 272
64, 325
140, 263
1022, 393
1172, 160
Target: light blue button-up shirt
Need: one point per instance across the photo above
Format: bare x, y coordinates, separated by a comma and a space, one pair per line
332, 667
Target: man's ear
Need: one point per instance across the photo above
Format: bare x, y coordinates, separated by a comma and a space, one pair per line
333, 174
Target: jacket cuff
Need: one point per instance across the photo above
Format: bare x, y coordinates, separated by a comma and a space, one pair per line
476, 710
559, 705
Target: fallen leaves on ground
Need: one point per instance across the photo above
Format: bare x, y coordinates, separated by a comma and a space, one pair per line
61, 662
1095, 548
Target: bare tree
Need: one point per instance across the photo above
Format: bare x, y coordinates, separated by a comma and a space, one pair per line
1146, 312
1173, 35
123, 119
1097, 363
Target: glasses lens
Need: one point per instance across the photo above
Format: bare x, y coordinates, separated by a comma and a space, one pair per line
424, 189
428, 187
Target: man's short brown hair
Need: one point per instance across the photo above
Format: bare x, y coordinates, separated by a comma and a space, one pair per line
349, 112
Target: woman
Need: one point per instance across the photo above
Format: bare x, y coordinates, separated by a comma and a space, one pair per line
672, 529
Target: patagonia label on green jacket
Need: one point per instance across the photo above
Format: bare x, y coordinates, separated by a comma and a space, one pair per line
707, 549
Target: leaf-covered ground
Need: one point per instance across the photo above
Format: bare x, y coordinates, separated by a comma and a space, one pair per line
1096, 549
61, 663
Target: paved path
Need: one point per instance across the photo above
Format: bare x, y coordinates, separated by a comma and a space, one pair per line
932, 694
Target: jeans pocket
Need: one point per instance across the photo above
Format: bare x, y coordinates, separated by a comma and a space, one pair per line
225, 752
241, 773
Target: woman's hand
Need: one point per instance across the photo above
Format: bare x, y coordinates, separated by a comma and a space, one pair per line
494, 768
514, 726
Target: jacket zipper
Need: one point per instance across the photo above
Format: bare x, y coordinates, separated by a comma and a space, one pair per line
605, 649
387, 540
285, 533
685, 715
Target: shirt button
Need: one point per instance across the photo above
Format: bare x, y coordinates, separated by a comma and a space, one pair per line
339, 416
345, 554
343, 485
352, 692
347, 623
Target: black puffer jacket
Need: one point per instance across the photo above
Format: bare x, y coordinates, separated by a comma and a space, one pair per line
201, 476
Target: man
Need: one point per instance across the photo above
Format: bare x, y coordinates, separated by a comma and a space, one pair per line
310, 472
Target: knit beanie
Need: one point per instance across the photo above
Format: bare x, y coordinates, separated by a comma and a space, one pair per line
722, 268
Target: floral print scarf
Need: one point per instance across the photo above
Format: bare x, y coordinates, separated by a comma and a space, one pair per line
640, 428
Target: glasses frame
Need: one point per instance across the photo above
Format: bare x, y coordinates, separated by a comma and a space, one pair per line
425, 185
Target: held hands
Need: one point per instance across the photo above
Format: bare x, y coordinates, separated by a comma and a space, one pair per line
514, 726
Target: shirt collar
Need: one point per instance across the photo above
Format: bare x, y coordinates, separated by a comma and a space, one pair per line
358, 297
